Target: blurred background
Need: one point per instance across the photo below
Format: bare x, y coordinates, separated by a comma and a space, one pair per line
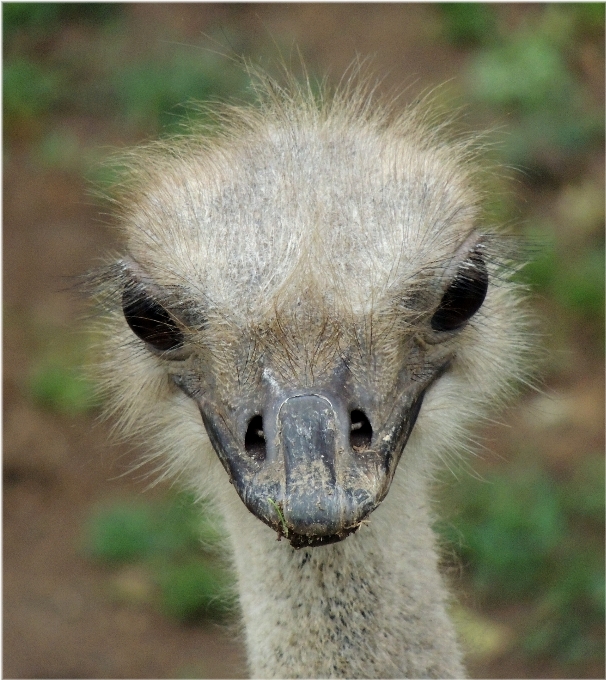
106, 578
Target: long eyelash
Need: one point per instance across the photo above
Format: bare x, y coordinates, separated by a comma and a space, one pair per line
464, 297
150, 321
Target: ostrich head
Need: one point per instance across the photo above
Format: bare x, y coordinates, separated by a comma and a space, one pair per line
314, 290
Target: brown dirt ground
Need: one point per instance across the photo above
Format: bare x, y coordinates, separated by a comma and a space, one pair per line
59, 620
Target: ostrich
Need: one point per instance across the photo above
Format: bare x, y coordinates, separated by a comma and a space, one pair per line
308, 314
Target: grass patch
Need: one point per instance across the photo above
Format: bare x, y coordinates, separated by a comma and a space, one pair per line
154, 94
573, 281
57, 381
525, 537
549, 112
29, 90
195, 589
62, 388
42, 19
175, 543
468, 24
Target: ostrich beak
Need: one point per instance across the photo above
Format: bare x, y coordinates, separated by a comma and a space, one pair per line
315, 502
307, 479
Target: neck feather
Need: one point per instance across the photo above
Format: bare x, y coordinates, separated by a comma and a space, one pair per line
371, 606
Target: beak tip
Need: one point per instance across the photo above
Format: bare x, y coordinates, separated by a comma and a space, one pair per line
299, 541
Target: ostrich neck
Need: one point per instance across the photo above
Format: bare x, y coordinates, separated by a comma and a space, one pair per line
371, 606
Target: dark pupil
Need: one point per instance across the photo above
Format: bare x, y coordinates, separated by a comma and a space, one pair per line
150, 321
463, 297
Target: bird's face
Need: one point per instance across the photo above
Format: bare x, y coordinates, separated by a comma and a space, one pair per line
309, 408
308, 306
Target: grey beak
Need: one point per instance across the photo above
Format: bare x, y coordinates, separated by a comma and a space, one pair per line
312, 484
309, 441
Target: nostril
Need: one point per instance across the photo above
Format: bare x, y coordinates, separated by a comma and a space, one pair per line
360, 431
254, 440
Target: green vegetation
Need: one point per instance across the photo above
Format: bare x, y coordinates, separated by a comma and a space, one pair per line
44, 18
57, 380
61, 388
468, 24
525, 537
156, 93
280, 516
573, 281
528, 75
194, 589
29, 90
175, 543
94, 76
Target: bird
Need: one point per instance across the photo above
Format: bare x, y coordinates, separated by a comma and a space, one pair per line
309, 313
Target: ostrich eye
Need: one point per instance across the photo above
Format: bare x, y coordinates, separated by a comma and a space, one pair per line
150, 321
464, 296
